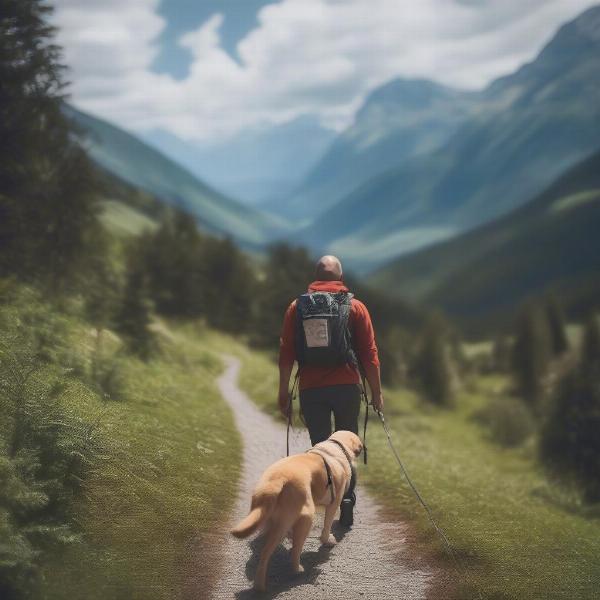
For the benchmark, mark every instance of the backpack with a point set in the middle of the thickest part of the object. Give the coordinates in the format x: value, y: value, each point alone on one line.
x: 323, y: 336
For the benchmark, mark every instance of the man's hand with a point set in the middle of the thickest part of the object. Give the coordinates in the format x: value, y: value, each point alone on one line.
x: 377, y: 402
x: 284, y: 402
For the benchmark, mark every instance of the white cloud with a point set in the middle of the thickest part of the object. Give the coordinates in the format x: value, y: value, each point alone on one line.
x: 305, y: 57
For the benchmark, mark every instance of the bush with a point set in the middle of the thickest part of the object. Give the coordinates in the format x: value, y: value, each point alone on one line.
x: 108, y: 378
x: 508, y: 421
x: 43, y: 457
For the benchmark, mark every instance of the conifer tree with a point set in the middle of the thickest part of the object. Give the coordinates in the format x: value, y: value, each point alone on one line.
x: 590, y: 348
x: 556, y: 323
x: 570, y: 442
x: 134, y: 315
x: 47, y: 184
x: 433, y: 368
x: 531, y: 354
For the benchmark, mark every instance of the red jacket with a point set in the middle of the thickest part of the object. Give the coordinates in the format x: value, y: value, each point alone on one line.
x: 363, y: 341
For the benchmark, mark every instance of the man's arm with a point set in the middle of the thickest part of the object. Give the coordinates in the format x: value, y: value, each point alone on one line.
x: 367, y: 352
x: 287, y: 356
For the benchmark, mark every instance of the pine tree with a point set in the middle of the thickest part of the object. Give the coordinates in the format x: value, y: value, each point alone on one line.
x: 590, y: 348
x: 433, y: 367
x: 47, y: 184
x: 286, y: 275
x: 570, y: 441
x: 556, y: 323
x: 134, y: 316
x: 531, y: 354
x: 173, y: 259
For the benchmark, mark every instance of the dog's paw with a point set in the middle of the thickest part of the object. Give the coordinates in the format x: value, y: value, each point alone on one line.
x: 328, y: 541
x: 260, y: 586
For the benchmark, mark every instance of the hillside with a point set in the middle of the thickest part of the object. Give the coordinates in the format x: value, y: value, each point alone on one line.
x: 550, y: 243
x: 399, y: 120
x: 136, y: 163
x: 529, y: 128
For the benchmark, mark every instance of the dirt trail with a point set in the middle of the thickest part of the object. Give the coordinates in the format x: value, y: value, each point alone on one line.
x: 370, y: 561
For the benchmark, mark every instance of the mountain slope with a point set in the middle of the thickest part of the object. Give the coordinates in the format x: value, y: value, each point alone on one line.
x: 401, y: 119
x: 136, y: 163
x: 256, y: 164
x: 528, y: 129
x: 550, y: 243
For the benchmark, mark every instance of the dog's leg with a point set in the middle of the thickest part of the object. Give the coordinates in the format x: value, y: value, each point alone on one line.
x: 327, y: 538
x: 272, y: 539
x: 300, y: 533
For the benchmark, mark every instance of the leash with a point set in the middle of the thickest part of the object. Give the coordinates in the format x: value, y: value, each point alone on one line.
x: 366, y: 399
x: 460, y: 569
x: 290, y: 411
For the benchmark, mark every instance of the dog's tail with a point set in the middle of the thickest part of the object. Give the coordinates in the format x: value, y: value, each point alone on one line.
x: 263, y: 503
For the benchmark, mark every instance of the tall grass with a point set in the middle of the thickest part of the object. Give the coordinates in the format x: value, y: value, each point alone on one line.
x: 158, y: 459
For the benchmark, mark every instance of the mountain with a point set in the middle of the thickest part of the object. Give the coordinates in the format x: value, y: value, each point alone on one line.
x: 479, y: 277
x: 136, y: 163
x: 257, y: 165
x: 400, y: 119
x: 526, y: 130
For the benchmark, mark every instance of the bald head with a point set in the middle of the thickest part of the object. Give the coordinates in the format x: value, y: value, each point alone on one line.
x: 329, y: 268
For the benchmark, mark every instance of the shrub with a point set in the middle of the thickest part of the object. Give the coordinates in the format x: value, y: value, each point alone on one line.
x: 508, y: 421
x: 43, y: 457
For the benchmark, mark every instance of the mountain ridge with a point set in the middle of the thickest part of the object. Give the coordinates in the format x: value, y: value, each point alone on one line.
x: 531, y: 126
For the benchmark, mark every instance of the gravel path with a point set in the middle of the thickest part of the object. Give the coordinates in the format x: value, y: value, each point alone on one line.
x: 370, y: 561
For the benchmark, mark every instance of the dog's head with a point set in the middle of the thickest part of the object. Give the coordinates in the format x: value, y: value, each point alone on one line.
x: 350, y: 441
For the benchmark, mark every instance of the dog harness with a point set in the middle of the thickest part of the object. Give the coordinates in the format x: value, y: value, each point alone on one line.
x: 352, y: 469
x: 328, y: 470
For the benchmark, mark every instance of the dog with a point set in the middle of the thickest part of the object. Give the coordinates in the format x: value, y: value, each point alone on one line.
x: 284, y: 499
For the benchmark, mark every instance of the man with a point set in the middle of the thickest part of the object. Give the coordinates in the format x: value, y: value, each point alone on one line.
x: 330, y: 334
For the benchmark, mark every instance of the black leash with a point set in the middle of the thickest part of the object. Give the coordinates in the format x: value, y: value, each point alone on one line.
x: 290, y: 410
x: 366, y: 399
x: 457, y: 564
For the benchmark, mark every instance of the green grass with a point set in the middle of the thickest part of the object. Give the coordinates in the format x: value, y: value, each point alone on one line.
x: 518, y: 535
x: 163, y: 472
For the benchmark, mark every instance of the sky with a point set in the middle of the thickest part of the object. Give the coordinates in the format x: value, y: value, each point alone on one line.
x: 207, y: 70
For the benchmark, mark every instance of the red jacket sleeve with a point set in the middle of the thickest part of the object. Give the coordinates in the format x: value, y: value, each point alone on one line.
x: 287, y: 341
x: 364, y: 335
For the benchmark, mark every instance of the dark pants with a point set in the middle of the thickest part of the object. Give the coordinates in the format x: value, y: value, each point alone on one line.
x: 318, y: 404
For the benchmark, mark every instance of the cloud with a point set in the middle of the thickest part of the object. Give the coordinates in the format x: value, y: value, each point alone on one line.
x: 305, y: 57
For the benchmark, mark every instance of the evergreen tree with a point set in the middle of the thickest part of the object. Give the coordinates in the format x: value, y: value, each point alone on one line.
x: 590, y: 348
x: 531, y: 354
x: 556, y: 324
x: 570, y: 440
x: 230, y: 287
x: 47, y: 184
x: 286, y: 275
x: 134, y: 316
x: 433, y: 368
x: 174, y: 260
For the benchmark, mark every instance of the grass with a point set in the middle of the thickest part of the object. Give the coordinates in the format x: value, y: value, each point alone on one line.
x: 517, y: 534
x: 163, y: 474
x: 123, y: 220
